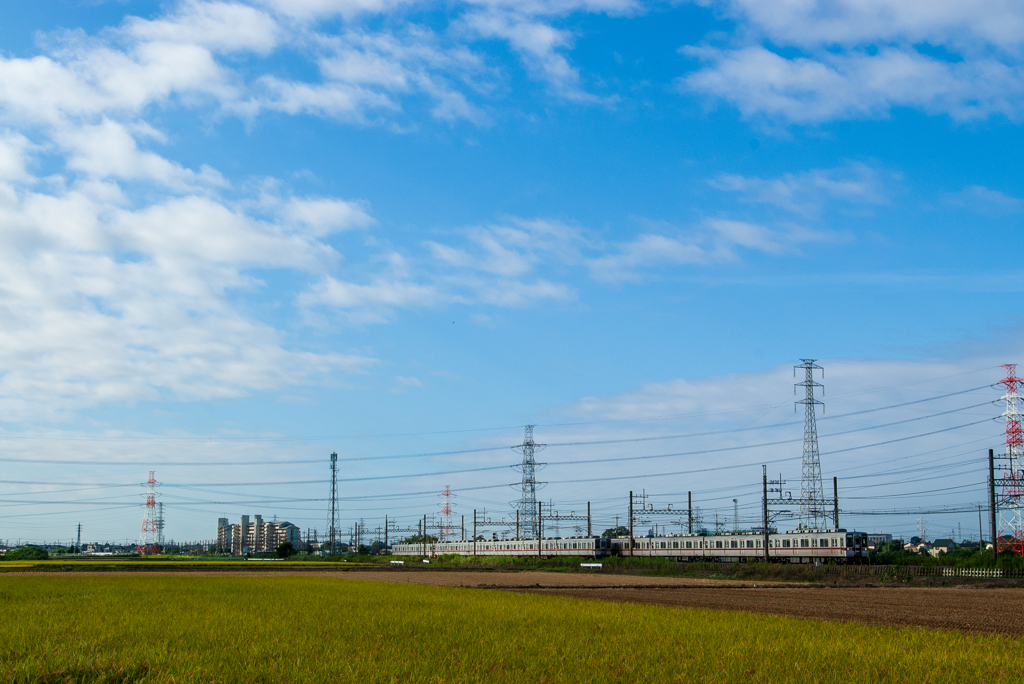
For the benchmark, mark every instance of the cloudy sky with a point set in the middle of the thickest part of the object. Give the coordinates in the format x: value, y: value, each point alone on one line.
x: 237, y: 236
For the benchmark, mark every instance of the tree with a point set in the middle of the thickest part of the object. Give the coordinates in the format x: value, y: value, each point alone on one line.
x: 286, y: 549
x: 27, y: 553
x: 613, y: 532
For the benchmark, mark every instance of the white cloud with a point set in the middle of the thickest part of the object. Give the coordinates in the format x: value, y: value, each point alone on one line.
x: 852, y: 22
x: 380, y: 293
x: 101, y: 301
x: 13, y: 148
x: 109, y: 150
x: 219, y: 26
x: 984, y: 200
x: 645, y: 252
x: 863, y: 59
x: 325, y: 215
x: 805, y: 193
x: 515, y: 293
x: 85, y: 79
x: 307, y: 10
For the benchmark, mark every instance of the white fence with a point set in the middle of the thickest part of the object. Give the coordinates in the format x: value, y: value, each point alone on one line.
x: 971, y: 572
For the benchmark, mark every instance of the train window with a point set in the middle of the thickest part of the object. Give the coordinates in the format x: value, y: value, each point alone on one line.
x: 805, y: 543
x: 733, y: 543
x: 663, y: 545
x: 675, y: 545
x: 823, y: 543
x: 750, y: 543
x: 758, y: 543
x: 718, y: 544
x: 688, y: 545
x: 785, y: 543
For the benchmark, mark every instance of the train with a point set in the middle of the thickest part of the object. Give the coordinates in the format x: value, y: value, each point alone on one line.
x: 795, y: 546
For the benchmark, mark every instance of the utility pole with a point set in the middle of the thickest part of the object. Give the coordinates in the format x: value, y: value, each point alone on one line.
x: 425, y: 536
x: 334, y: 501
x: 631, y: 523
x: 474, y: 531
x: 463, y: 527
x: 689, y: 512
x: 992, y: 501
x: 590, y: 531
x: 385, y: 534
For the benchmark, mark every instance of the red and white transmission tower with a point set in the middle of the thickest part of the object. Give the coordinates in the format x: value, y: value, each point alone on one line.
x: 446, y: 514
x: 150, y: 525
x: 1011, y: 497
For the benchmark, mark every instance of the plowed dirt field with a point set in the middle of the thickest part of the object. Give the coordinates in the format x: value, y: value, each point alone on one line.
x: 969, y: 609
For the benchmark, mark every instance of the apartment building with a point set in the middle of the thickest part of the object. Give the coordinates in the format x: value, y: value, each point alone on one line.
x: 255, y: 536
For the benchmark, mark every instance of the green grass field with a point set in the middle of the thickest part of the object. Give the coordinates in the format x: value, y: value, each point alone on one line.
x: 319, y: 629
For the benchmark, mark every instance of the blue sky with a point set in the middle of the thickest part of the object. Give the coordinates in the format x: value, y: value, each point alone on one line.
x: 249, y: 234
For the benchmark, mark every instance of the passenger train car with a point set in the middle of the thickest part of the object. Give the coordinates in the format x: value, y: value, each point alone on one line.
x: 587, y: 547
x: 797, y: 546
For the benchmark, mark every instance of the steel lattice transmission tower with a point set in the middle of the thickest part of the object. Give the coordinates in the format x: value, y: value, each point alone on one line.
x: 333, y: 526
x: 150, y: 526
x: 446, y: 514
x: 812, y: 496
x: 1013, y: 479
x: 527, y: 503
x: 160, y: 524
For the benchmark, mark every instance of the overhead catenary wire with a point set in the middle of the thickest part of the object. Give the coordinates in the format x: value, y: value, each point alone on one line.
x: 244, y: 499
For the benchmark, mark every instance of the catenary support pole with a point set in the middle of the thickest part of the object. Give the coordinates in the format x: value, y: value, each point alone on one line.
x: 992, y: 502
x: 474, y: 531
x: 540, y: 525
x: 590, y: 529
x: 835, y: 500
x: 631, y: 523
x: 981, y: 532
x: 764, y: 510
x: 517, y: 523
x: 385, y: 535
x: 425, y: 536
x: 689, y: 512
x: 463, y: 527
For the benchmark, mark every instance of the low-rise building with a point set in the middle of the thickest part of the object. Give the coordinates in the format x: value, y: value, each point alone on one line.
x: 876, y: 539
x: 257, y: 536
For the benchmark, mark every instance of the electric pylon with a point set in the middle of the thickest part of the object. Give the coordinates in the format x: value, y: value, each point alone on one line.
x: 334, y: 523
x: 160, y: 524
x: 1010, y: 502
x: 148, y: 535
x: 446, y: 514
x: 812, y: 496
x: 527, y: 503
